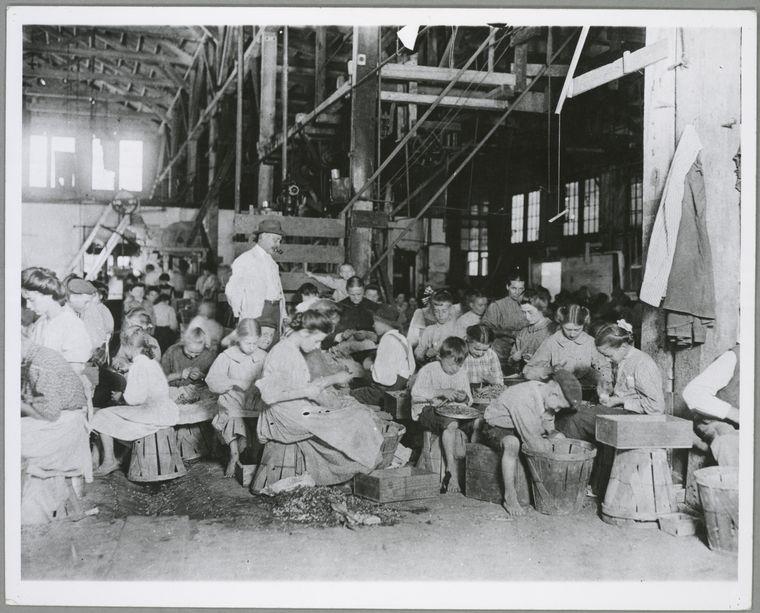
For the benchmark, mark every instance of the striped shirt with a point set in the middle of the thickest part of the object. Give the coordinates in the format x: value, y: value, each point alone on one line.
x: 486, y: 368
x: 49, y: 385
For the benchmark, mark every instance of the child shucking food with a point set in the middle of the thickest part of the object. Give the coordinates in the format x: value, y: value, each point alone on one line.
x: 187, y: 362
x: 482, y: 364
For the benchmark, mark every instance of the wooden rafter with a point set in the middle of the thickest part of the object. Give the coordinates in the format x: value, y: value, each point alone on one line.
x: 114, y: 54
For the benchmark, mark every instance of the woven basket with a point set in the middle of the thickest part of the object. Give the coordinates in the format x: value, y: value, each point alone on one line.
x: 719, y: 494
x: 392, y: 433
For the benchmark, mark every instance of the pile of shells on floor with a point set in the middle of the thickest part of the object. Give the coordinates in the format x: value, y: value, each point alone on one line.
x: 328, y: 506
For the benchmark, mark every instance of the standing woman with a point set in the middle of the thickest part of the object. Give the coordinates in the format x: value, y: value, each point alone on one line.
x: 638, y: 386
x: 570, y: 348
x: 336, y: 443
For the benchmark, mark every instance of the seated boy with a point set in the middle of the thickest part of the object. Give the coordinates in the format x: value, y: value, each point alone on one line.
x: 309, y: 295
x: 206, y: 320
x: 437, y: 383
x: 394, y: 361
x: 188, y: 362
x: 525, y: 412
x: 477, y: 303
x: 337, y: 284
x: 433, y: 335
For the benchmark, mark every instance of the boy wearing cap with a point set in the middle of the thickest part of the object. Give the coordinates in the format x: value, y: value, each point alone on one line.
x: 525, y: 412
x: 394, y: 360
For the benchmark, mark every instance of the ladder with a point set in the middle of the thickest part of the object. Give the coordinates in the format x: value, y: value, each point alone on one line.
x: 110, y: 245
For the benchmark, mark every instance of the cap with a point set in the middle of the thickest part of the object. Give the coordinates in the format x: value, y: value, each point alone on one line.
x: 266, y: 321
x: 570, y: 386
x: 80, y: 286
x: 388, y: 314
x: 270, y: 226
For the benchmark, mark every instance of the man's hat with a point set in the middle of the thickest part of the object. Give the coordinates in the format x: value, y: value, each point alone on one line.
x: 270, y: 226
x: 80, y: 286
x: 570, y: 386
x: 266, y: 321
x: 388, y: 314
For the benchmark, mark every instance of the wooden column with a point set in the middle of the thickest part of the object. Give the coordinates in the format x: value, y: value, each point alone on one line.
x: 320, y: 69
x: 239, y: 118
x: 211, y: 219
x: 363, y: 134
x: 267, y: 109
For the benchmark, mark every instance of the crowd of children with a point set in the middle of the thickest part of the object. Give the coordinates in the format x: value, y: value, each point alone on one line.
x: 356, y: 344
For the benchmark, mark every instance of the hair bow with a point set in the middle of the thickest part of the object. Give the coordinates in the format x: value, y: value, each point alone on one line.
x: 622, y: 323
x: 429, y: 291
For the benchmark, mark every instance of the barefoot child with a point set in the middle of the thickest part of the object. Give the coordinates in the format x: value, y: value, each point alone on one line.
x: 525, y: 412
x: 439, y: 382
x: 231, y: 376
x: 187, y: 362
x: 482, y: 363
x: 147, y: 394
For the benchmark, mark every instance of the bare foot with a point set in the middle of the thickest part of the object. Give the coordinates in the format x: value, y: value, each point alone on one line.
x: 513, y: 508
x: 230, y: 471
x: 453, y: 485
x: 106, y: 469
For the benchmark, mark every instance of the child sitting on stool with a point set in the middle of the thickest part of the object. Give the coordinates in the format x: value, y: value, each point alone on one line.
x: 482, y: 364
x: 187, y: 362
x: 525, y: 412
x: 445, y: 380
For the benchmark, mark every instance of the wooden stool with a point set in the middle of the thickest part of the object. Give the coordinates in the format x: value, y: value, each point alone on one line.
x: 278, y: 461
x: 156, y: 457
x: 431, y: 457
x: 483, y: 480
x: 193, y: 443
x: 640, y: 487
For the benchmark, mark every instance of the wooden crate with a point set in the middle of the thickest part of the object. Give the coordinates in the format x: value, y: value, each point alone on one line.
x: 483, y: 476
x: 644, y: 431
x: 398, y: 404
x: 244, y: 473
x: 396, y: 484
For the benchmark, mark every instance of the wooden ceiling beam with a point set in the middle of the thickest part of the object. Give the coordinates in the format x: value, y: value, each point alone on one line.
x: 95, y: 94
x: 89, y: 75
x: 114, y: 54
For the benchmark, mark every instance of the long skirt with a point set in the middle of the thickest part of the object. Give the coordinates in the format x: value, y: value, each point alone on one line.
x: 58, y: 448
x: 129, y: 423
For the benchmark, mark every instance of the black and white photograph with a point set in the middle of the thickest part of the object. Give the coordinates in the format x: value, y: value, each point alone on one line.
x: 379, y: 307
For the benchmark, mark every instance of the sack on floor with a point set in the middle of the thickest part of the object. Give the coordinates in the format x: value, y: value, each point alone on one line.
x: 288, y: 484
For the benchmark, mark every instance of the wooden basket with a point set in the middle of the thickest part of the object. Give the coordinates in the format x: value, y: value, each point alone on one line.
x: 392, y: 433
x: 560, y: 475
x: 679, y: 524
x: 156, y: 457
x: 719, y: 494
x: 278, y: 461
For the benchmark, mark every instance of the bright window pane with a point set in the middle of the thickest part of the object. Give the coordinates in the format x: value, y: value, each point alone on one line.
x: 518, y: 203
x: 484, y: 265
x: 131, y: 165
x: 62, y: 174
x: 472, y: 263
x: 101, y: 178
x: 38, y: 157
x: 591, y: 206
x: 534, y: 215
x: 570, y: 226
x: 636, y: 214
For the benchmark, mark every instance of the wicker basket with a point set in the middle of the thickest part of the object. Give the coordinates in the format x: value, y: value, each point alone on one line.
x: 392, y: 433
x: 719, y: 494
x: 560, y: 475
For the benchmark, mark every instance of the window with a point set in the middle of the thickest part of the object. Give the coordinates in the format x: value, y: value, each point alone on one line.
x: 570, y: 226
x: 474, y: 239
x: 636, y: 211
x: 591, y: 206
x: 518, y: 206
x: 131, y: 165
x: 534, y: 216
x: 52, y: 161
x: 38, y: 159
x: 102, y: 178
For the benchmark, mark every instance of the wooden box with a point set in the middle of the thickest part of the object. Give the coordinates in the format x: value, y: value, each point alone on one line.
x: 398, y: 404
x: 396, y: 484
x: 483, y: 479
x: 644, y: 431
x: 244, y: 473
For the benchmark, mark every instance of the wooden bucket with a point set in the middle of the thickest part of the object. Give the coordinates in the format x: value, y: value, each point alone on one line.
x: 560, y: 475
x: 640, y: 486
x: 278, y: 461
x: 156, y: 457
x: 193, y: 443
x: 392, y: 433
x: 719, y: 493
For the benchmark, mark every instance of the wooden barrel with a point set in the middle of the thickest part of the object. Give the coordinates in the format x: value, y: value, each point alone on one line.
x: 719, y: 494
x: 193, y: 443
x: 483, y: 479
x: 156, y: 457
x: 278, y: 461
x: 640, y: 486
x: 560, y: 475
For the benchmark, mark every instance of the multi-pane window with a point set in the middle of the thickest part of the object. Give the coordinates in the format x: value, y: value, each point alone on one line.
x: 591, y: 206
x: 474, y: 240
x: 102, y: 177
x: 570, y: 225
x: 126, y: 157
x: 52, y: 161
x: 636, y: 210
x: 534, y: 216
x: 518, y: 214
x: 131, y: 165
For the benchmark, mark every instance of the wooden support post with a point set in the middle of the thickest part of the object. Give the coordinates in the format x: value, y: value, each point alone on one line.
x: 363, y: 134
x: 211, y: 219
x: 521, y: 65
x: 320, y: 68
x: 239, y: 119
x: 284, y: 99
x: 267, y: 108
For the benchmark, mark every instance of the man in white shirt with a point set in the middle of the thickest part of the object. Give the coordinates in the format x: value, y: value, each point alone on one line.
x: 713, y: 395
x: 254, y: 289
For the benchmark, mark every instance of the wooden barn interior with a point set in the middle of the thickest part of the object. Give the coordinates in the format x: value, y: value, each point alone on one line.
x: 447, y: 162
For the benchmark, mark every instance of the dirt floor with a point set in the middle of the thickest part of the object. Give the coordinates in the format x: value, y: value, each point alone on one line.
x: 205, y: 527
